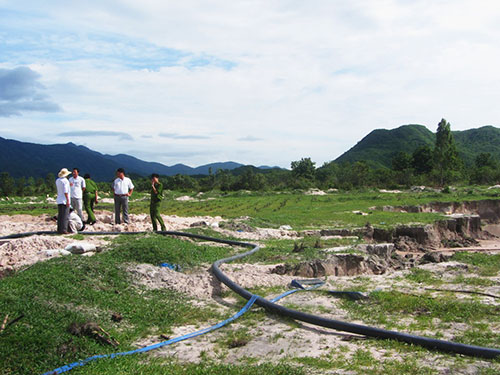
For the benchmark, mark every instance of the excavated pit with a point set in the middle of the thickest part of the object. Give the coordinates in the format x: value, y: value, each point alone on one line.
x: 404, y: 247
x: 373, y: 259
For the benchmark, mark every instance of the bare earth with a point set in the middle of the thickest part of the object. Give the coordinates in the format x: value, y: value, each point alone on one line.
x: 16, y: 253
x: 271, y: 338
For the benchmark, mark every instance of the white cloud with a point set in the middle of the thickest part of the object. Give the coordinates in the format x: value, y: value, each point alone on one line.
x: 309, y: 78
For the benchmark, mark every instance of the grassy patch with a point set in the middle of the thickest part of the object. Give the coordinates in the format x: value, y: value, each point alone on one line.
x: 61, y: 291
x: 486, y: 264
x: 387, y: 308
x: 295, y: 251
x: 235, y: 338
x: 155, y: 249
x: 480, y: 334
x: 154, y: 366
x: 473, y: 281
x: 421, y: 276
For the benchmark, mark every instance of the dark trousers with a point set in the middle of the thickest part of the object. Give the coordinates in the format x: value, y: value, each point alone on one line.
x: 62, y: 218
x: 121, y: 204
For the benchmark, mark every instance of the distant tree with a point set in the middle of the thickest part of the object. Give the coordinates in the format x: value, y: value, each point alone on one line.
x: 446, y: 159
x: 485, y: 159
x: 249, y: 180
x: 421, y: 160
x: 485, y: 171
x: 327, y: 174
x: 304, y: 168
x: 39, y: 186
x: 21, y: 187
x: 223, y: 179
x: 50, y: 183
x: 7, y: 184
x: 31, y: 186
x: 401, y: 162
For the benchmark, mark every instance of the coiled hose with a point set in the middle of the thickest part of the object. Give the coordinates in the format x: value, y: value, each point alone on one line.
x: 378, y: 333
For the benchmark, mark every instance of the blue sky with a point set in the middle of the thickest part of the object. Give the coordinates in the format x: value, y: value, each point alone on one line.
x: 256, y: 82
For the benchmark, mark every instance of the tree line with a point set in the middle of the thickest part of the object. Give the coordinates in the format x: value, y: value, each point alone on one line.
x: 432, y: 166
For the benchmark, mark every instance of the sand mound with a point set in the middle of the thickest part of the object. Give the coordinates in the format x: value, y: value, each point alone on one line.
x: 202, y: 283
x: 20, y: 252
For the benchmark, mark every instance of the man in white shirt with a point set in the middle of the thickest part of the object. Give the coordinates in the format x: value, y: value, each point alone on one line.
x: 63, y: 201
x: 77, y: 184
x: 123, y: 188
x: 75, y: 223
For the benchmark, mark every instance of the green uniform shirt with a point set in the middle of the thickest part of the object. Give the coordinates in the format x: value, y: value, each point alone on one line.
x: 158, y: 196
x: 90, y: 186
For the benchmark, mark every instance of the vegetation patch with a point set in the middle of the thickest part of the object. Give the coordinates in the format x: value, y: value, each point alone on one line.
x: 53, y: 295
x: 486, y: 264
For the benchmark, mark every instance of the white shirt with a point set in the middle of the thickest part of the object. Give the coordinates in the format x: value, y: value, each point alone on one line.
x: 75, y: 219
x: 122, y: 186
x: 76, y: 186
x: 62, y: 185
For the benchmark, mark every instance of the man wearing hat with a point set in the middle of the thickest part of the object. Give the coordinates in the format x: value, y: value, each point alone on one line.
x: 63, y: 201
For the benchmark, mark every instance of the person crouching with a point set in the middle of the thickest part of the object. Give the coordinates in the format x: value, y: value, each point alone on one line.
x: 75, y: 222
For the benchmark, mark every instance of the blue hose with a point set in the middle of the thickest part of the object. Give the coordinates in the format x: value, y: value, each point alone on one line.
x: 148, y: 348
x: 71, y: 366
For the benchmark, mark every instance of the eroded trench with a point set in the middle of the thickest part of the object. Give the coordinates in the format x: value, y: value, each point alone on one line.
x: 466, y: 227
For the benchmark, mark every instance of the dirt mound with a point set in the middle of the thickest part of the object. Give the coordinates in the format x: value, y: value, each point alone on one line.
x: 202, y: 283
x: 20, y: 252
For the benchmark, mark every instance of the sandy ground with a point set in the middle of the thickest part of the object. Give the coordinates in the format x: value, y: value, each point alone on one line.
x: 272, y: 339
x: 202, y: 283
x: 16, y: 253
x: 269, y: 339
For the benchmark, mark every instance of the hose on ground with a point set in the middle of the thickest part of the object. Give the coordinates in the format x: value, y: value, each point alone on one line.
x: 378, y: 333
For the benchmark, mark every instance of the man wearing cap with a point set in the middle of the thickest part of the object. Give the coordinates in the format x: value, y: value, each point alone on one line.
x: 156, y: 198
x: 77, y: 184
x: 90, y: 198
x: 63, y: 201
x: 123, y: 188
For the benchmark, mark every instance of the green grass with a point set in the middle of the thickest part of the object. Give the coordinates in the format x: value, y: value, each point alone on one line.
x: 292, y: 208
x: 473, y: 281
x: 56, y: 293
x: 421, y: 276
x: 156, y: 249
x: 387, y: 308
x: 155, y: 366
x: 294, y: 251
x: 486, y: 264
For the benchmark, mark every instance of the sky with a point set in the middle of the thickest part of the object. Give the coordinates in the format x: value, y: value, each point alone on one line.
x: 257, y: 82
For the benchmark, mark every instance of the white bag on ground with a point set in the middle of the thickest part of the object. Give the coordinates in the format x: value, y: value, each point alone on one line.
x: 80, y: 247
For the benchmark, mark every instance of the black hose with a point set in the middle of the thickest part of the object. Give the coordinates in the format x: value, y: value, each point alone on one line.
x: 448, y: 346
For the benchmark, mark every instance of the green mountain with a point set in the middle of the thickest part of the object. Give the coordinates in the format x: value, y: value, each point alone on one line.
x: 381, y: 145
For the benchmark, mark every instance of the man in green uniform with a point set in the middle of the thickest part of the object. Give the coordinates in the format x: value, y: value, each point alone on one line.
x: 90, y: 198
x: 156, y: 198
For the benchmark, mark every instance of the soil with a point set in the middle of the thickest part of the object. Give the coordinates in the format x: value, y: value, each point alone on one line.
x: 273, y: 338
x: 17, y: 253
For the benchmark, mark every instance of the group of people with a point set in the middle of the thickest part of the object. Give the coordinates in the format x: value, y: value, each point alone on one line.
x: 75, y: 192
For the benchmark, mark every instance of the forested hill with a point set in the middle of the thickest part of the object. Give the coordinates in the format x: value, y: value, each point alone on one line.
x: 23, y: 159
x: 381, y: 145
